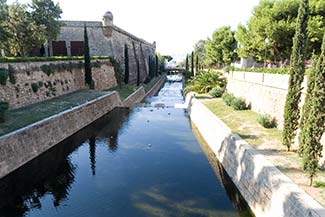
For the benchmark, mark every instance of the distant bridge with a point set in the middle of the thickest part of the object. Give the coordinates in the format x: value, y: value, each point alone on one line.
x: 175, y: 71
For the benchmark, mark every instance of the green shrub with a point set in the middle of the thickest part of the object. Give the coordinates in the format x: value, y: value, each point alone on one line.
x: 35, y: 87
x: 4, y: 74
x: 47, y: 59
x: 228, y: 98
x: 3, y: 109
x: 217, y: 91
x: 204, y: 81
x: 239, y: 104
x: 266, y: 121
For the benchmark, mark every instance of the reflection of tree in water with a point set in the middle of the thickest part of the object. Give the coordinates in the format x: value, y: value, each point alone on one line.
x: 92, y: 154
x: 115, y: 122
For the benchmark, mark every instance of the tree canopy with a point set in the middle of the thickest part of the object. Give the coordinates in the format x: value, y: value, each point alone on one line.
x: 199, y: 50
x: 3, y: 23
x: 270, y: 30
x: 220, y: 49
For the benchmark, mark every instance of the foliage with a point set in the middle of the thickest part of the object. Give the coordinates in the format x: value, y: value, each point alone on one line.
x: 4, y: 15
x: 314, y: 126
x: 307, y: 105
x: 192, y: 63
x: 228, y: 98
x: 266, y: 121
x: 200, y: 51
x: 197, y: 64
x: 88, y: 74
x: 47, y: 59
x: 276, y: 20
x: 47, y: 13
x: 157, y: 65
x: 52, y: 68
x: 239, y: 104
x: 297, y: 71
x: 204, y: 81
x: 220, y: 50
x: 126, y: 64
x: 25, y: 34
x: 4, y: 106
x: 4, y: 74
x: 11, y: 73
x: 35, y: 87
x: 137, y: 63
x: 217, y: 91
x: 186, y: 63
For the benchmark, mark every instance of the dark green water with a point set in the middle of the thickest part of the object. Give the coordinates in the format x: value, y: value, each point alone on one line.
x: 144, y: 162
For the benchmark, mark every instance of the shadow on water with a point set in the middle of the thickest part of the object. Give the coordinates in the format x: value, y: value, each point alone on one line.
x: 52, y: 172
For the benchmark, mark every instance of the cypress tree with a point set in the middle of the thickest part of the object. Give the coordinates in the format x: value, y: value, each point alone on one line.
x: 137, y: 63
x: 87, y: 59
x: 186, y: 63
x: 314, y: 126
x: 192, y: 63
x: 197, y: 64
x: 297, y: 71
x: 307, y: 105
x: 126, y: 62
x: 157, y: 65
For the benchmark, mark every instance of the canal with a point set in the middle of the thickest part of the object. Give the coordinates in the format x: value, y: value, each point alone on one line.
x: 143, y: 162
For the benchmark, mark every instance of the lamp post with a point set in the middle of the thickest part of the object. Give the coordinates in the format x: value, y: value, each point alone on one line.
x: 266, y: 42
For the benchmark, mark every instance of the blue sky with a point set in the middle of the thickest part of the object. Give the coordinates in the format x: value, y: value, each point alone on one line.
x: 174, y: 24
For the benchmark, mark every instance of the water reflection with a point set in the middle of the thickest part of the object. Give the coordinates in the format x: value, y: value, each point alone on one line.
x: 52, y: 173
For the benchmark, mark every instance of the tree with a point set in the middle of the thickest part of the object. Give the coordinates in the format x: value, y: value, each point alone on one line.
x: 88, y: 74
x: 314, y: 126
x: 275, y: 21
x: 220, y: 50
x: 25, y: 34
x: 126, y: 64
x: 137, y: 63
x: 200, y: 51
x: 307, y: 105
x: 192, y: 63
x: 157, y: 65
x: 186, y: 63
x: 197, y: 66
x: 47, y: 13
x: 297, y: 71
x: 4, y: 16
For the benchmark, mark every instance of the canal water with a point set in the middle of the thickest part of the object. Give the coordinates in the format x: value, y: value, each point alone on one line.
x: 141, y: 163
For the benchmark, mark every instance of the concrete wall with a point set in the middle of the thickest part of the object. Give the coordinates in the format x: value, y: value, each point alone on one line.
x: 19, y: 147
x: 267, y: 191
x: 61, y: 82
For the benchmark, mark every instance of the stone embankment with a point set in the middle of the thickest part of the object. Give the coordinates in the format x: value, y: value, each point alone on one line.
x: 267, y: 191
x: 21, y: 146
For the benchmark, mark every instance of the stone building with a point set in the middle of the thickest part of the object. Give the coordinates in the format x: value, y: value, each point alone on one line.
x: 105, y: 39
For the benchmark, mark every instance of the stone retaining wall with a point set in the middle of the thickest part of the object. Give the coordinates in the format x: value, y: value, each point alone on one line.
x: 267, y: 191
x: 265, y: 92
x: 19, y: 147
x: 69, y: 78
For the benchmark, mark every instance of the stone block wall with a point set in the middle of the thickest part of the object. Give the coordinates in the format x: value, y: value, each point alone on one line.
x: 266, y: 93
x: 110, y: 41
x: 29, y: 74
x: 267, y: 191
x: 21, y: 146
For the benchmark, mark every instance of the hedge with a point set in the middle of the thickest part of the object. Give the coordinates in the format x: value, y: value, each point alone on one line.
x: 262, y: 70
x: 45, y: 59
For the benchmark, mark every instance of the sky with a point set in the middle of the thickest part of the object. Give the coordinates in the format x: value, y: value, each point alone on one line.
x: 175, y: 25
